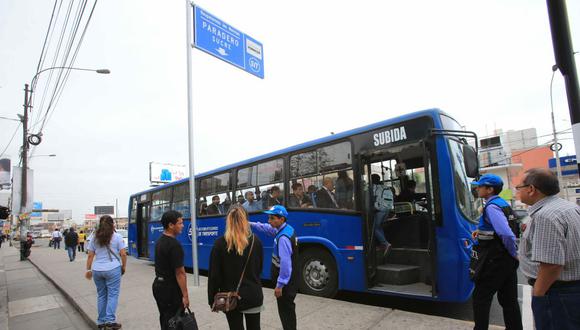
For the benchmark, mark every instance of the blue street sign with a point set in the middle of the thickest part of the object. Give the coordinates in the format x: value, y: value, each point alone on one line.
x: 36, y: 206
x: 221, y: 40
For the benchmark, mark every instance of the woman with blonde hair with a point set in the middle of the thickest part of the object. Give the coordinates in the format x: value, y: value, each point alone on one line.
x: 236, y: 260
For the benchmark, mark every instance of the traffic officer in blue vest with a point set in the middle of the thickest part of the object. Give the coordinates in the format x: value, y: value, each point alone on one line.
x: 497, y: 256
x: 284, y: 269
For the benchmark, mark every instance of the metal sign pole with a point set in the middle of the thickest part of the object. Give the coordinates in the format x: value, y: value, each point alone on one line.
x: 192, y: 203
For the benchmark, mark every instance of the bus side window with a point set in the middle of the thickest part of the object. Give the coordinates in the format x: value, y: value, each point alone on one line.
x: 216, y: 199
x: 317, y: 172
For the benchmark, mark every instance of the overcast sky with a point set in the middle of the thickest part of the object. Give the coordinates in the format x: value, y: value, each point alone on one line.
x: 329, y: 66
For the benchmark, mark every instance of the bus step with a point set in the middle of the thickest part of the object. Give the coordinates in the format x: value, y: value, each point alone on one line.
x: 398, y: 274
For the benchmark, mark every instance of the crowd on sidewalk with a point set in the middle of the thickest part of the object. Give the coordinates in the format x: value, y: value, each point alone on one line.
x: 548, y: 255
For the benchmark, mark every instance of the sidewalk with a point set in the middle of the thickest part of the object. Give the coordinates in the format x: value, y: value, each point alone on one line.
x: 137, y: 309
x: 29, y: 301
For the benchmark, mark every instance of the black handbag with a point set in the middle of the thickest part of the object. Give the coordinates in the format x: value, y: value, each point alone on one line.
x: 183, y: 320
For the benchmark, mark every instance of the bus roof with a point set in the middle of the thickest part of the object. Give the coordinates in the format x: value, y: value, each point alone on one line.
x: 429, y: 113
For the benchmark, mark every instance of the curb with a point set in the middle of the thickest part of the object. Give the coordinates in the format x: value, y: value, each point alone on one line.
x: 91, y: 322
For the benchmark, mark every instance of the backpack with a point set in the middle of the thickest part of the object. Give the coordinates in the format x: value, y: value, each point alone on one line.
x: 510, y: 215
x: 382, y: 198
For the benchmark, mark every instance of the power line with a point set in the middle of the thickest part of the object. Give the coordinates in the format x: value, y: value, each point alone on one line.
x: 57, y: 53
x: 50, y: 38
x: 40, y: 59
x: 67, y: 74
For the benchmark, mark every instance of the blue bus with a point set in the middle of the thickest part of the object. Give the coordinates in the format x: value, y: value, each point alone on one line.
x: 423, y: 157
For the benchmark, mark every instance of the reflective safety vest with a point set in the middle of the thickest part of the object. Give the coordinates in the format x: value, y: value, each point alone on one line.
x: 487, y: 238
x: 289, y: 232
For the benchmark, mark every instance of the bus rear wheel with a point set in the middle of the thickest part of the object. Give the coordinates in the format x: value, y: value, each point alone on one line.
x: 318, y: 273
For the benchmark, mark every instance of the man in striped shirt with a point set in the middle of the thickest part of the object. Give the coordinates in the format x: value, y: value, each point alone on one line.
x: 550, y: 252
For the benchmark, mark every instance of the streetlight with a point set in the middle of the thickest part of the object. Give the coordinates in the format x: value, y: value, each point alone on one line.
x: 34, y: 139
x: 51, y: 155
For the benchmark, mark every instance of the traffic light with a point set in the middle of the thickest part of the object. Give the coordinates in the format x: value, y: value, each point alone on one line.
x: 4, y: 213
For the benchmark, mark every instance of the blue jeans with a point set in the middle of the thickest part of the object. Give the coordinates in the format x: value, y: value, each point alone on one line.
x: 379, y: 232
x: 56, y: 244
x: 108, y: 287
x: 72, y: 252
x: 559, y: 309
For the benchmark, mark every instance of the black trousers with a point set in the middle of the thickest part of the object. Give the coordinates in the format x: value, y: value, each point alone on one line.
x: 169, y: 300
x: 236, y: 320
x: 81, y: 247
x: 287, y: 310
x: 499, y: 275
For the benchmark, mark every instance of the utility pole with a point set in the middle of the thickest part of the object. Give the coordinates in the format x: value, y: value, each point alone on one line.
x: 24, y: 170
x: 564, y: 54
x: 556, y: 147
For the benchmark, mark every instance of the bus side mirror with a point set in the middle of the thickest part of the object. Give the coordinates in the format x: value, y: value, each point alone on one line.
x: 471, y: 161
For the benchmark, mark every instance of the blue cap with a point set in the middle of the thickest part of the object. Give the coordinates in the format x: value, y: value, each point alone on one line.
x: 278, y: 210
x: 490, y: 180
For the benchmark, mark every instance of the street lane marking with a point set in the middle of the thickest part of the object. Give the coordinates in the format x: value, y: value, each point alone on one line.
x: 32, y: 305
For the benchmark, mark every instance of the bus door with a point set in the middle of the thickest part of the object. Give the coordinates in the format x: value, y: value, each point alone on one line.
x: 408, y: 266
x: 143, y: 229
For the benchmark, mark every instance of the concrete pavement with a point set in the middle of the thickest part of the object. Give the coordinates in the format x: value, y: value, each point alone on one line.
x: 137, y: 309
x: 29, y: 301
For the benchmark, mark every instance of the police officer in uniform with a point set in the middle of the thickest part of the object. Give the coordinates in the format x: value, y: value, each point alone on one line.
x: 497, y: 252
x: 170, y: 284
x: 284, y: 267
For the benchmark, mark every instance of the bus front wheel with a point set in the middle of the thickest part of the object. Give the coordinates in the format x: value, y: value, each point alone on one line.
x: 319, y: 276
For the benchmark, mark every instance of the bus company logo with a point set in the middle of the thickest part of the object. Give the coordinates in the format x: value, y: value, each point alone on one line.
x: 254, y: 64
x: 156, y: 228
x: 390, y: 136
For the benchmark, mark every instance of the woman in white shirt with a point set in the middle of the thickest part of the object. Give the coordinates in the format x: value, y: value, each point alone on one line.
x: 106, y: 263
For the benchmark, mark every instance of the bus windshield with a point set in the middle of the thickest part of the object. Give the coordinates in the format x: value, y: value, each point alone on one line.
x: 466, y: 201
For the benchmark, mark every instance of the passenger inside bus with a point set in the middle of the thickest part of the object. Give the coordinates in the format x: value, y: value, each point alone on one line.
x: 344, y: 191
x: 251, y: 205
x: 298, y: 198
x: 273, y: 198
x: 215, y: 207
x: 408, y: 193
x: 325, y: 197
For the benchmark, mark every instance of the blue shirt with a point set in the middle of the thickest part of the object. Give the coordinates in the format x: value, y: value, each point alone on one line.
x: 254, y: 207
x: 105, y: 260
x: 499, y: 222
x: 284, y: 251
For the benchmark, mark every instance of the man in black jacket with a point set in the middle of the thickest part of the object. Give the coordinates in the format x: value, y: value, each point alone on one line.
x: 325, y: 197
x: 71, y: 240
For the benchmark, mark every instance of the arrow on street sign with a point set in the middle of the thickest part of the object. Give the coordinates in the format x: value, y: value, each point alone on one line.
x: 221, y: 40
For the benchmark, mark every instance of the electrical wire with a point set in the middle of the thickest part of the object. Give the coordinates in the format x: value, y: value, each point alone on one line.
x: 34, y: 83
x: 75, y: 54
x: 11, y: 139
x: 57, y: 53
x: 68, y: 47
